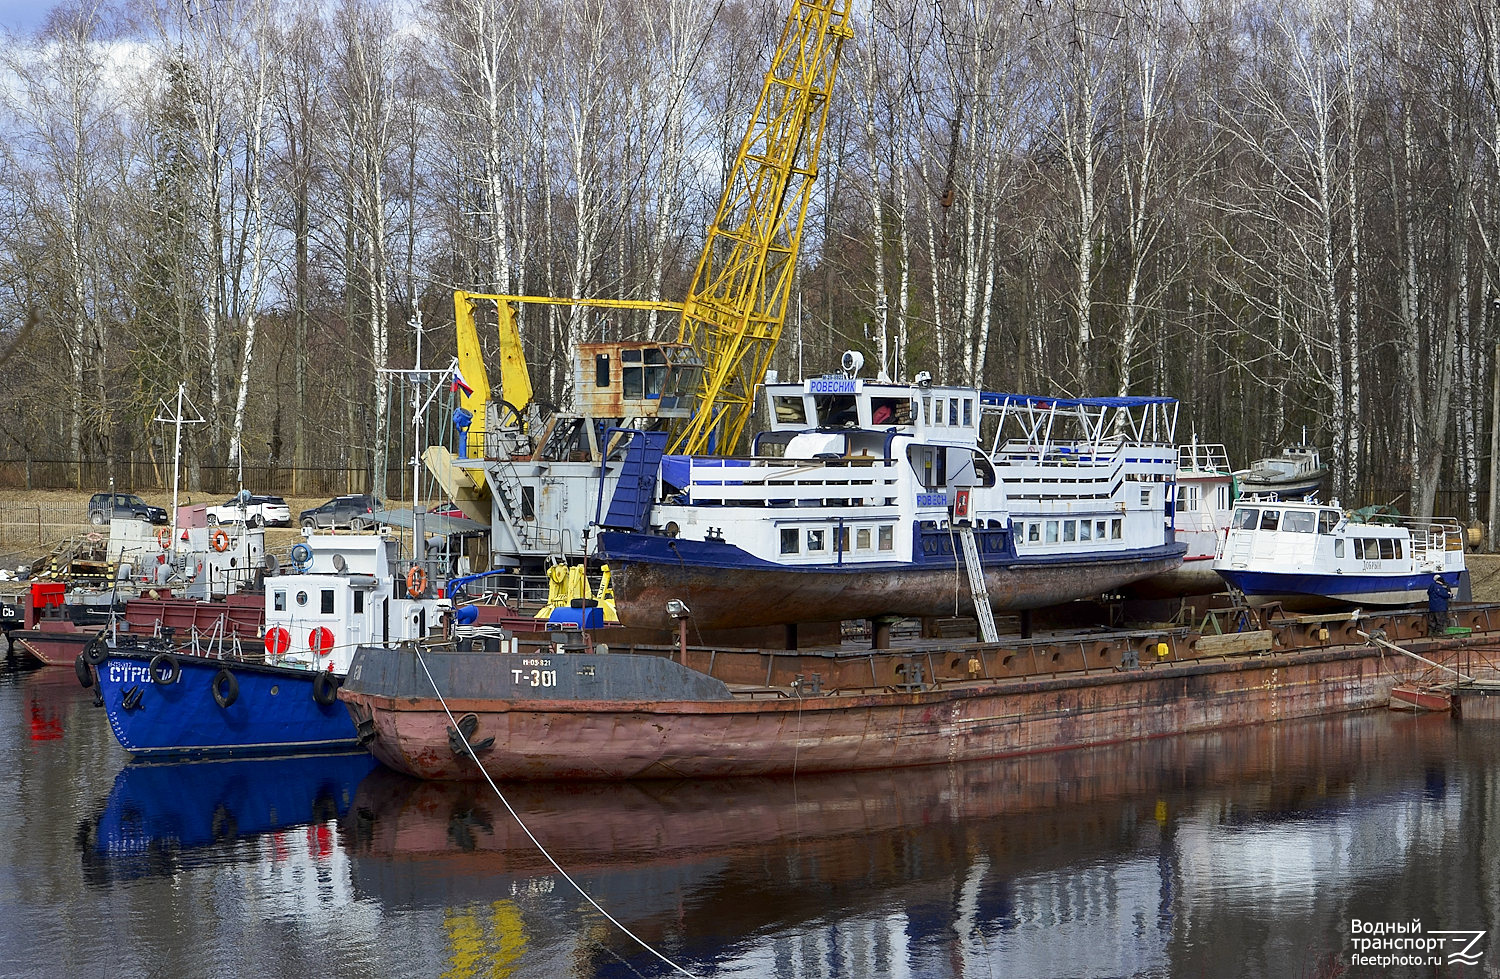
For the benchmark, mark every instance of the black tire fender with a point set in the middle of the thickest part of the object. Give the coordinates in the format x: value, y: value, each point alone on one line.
x: 326, y: 687
x: 165, y: 669
x: 225, y: 687
x: 85, y: 672
x: 95, y: 651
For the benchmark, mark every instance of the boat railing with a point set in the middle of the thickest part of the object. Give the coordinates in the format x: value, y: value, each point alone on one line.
x: 1203, y: 457
x: 513, y: 589
x: 769, y: 483
x: 1432, y: 536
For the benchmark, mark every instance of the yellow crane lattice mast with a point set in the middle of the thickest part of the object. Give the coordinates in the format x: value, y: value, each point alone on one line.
x: 735, y: 309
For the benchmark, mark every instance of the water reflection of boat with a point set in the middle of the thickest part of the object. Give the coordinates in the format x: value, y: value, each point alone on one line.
x: 1024, y: 849
x: 160, y: 818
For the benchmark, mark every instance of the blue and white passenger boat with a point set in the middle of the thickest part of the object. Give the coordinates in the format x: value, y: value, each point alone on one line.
x: 345, y: 589
x: 873, y: 498
x: 1306, y: 554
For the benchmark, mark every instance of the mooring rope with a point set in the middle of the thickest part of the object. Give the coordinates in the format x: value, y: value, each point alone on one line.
x: 531, y: 836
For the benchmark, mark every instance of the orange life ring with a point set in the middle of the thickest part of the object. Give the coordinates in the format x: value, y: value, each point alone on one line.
x: 221, y: 540
x: 164, y: 538
x: 416, y: 581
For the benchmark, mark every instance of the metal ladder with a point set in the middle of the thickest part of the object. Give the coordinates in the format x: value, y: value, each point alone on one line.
x: 982, y: 610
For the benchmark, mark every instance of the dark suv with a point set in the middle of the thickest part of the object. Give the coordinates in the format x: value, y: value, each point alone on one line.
x: 355, y: 512
x: 104, y: 507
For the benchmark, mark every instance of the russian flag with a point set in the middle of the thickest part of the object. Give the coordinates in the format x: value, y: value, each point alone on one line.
x: 458, y: 382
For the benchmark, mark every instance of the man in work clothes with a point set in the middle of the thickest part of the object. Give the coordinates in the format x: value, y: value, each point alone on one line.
x: 1437, y: 606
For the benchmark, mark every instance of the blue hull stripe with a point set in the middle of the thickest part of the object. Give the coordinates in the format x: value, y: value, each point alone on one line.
x: 1401, y: 589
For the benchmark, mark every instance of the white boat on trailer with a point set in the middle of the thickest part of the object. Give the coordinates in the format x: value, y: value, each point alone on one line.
x: 1306, y: 554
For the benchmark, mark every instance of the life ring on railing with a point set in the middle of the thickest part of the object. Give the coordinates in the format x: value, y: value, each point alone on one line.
x: 221, y: 540
x: 416, y: 581
x: 164, y: 538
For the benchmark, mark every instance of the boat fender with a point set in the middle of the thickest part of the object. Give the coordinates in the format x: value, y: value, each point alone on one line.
x: 84, y: 672
x: 165, y: 669
x: 326, y: 687
x: 225, y: 687
x: 221, y: 540
x: 416, y: 581
x: 301, y: 555
x: 96, y: 651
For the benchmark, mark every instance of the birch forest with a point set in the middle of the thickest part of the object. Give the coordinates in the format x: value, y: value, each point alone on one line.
x: 1283, y: 213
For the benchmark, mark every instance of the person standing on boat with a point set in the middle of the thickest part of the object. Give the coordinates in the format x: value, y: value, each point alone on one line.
x: 1437, y: 605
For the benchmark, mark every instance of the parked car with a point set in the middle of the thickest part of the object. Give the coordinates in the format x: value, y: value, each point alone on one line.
x: 255, y: 509
x: 447, y: 508
x: 104, y: 507
x: 355, y: 512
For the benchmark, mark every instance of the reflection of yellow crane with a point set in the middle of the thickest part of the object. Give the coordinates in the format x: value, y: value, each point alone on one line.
x: 735, y: 309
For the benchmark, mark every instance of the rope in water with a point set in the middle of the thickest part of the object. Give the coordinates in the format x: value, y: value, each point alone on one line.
x: 527, y: 829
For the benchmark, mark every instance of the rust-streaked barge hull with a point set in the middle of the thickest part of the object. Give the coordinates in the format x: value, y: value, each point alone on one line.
x: 621, y: 716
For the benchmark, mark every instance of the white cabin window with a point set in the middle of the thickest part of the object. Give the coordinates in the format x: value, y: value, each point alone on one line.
x: 1146, y: 496
x: 1116, y: 529
x: 1070, y: 530
x: 1085, y: 529
x: 953, y: 411
x: 968, y: 411
x: 327, y: 604
x: 1246, y: 518
x: 1221, y: 498
x: 302, y: 598
x: 1270, y: 519
x: 862, y: 539
x: 790, y: 409
x: 1397, y: 542
x: 278, y: 601
x: 1034, y: 533
x: 841, y: 540
x: 1052, y: 531
x: 1327, y: 520
x: 1338, y: 548
x: 1387, y: 549
x: 359, y: 602
x: 887, y: 538
x: 789, y: 538
x: 815, y: 539
x: 1099, y: 526
x: 1187, y: 497
x: 1299, y: 522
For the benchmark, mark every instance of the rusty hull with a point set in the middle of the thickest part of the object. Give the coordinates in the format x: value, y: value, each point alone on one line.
x: 722, y: 598
x: 955, y: 722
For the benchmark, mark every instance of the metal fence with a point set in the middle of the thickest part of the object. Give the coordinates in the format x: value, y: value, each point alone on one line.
x: 138, y: 476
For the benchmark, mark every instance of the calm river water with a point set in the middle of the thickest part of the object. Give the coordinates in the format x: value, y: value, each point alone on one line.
x: 1246, y: 853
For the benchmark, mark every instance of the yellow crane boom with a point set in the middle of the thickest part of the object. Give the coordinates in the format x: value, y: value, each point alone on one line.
x: 737, y: 304
x: 735, y: 309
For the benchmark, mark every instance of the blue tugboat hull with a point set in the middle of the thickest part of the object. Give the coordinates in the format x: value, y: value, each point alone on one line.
x: 273, y: 710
